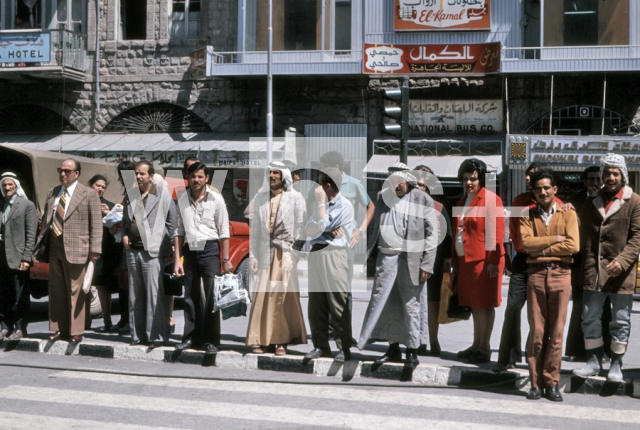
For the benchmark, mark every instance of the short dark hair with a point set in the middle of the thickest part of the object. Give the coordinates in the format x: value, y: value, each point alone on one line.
x: 76, y: 163
x: 590, y: 169
x: 147, y: 163
x: 538, y: 165
x: 125, y: 165
x: 97, y: 178
x: 198, y: 165
x: 332, y: 159
x: 471, y: 165
x: 186, y: 162
x: 331, y: 176
x: 540, y: 175
x: 424, y: 168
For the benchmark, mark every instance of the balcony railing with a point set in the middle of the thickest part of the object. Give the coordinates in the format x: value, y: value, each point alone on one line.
x: 571, y: 52
x: 67, y: 50
x: 260, y: 57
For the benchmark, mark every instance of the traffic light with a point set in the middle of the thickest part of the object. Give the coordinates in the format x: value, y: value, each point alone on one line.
x: 399, y: 112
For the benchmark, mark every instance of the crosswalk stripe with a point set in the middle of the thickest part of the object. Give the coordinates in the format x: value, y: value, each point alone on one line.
x: 12, y: 421
x: 415, y: 398
x: 213, y: 408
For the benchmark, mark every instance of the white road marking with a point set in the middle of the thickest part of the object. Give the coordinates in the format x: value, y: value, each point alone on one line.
x: 11, y: 421
x: 415, y: 398
x: 213, y: 408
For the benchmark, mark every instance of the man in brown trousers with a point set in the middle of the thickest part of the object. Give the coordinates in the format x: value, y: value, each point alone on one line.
x: 550, y: 235
x: 73, y: 216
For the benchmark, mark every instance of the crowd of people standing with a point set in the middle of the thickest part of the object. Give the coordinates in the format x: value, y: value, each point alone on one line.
x: 587, y: 249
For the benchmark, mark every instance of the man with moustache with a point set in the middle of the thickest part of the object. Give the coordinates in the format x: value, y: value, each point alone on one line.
x: 550, y: 235
x: 18, y: 231
x: 72, y: 224
x: 147, y: 221
x: 611, y: 222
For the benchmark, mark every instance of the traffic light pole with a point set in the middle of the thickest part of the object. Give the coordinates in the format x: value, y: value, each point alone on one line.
x: 404, y: 137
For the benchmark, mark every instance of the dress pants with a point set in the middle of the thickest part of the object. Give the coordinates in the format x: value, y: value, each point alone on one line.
x: 328, y: 295
x: 66, y: 296
x: 147, y: 315
x: 548, y: 294
x: 14, y: 296
x: 510, y: 350
x: 201, y: 324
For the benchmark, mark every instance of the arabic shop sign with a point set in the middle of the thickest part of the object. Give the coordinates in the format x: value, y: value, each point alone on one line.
x: 579, y: 151
x: 438, y: 15
x: 25, y: 47
x: 428, y: 117
x: 432, y: 59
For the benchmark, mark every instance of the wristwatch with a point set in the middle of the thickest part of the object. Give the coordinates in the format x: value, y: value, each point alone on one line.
x: 225, y: 260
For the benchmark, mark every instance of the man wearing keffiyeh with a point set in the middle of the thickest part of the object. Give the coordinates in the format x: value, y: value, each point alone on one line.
x: 18, y: 230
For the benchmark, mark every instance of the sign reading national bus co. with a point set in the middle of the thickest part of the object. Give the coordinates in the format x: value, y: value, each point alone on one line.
x: 25, y: 47
x: 439, y: 15
x: 479, y: 58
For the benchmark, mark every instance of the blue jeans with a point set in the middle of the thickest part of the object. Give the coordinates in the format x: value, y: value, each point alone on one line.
x: 620, y: 324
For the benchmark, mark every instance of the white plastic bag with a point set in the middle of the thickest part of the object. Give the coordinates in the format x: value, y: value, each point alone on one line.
x: 113, y: 217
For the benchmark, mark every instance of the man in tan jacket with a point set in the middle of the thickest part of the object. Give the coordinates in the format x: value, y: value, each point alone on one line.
x: 550, y: 235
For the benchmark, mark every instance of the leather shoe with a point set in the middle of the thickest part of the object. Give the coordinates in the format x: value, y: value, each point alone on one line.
x: 156, y: 344
x: 553, y: 394
x: 280, y: 350
x: 479, y: 357
x: 316, y: 353
x: 75, y: 339
x: 55, y: 337
x: 534, y: 394
x: 136, y: 342
x: 16, y: 335
x: 210, y: 349
x: 412, y: 359
x: 466, y: 353
x: 435, y: 350
x: 3, y: 334
x: 184, y: 345
x: 343, y: 355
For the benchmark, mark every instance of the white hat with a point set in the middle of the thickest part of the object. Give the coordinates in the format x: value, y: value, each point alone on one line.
x: 14, y: 178
x: 616, y: 161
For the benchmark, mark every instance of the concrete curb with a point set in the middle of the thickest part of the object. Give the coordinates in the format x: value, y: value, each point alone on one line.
x: 424, y: 374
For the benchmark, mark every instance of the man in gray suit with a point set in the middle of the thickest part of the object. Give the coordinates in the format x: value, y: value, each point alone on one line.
x: 147, y: 221
x: 405, y: 230
x: 18, y: 230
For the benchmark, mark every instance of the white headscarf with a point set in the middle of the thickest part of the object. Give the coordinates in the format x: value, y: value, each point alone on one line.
x: 286, y: 176
x: 14, y: 178
x: 401, y: 171
x: 616, y: 161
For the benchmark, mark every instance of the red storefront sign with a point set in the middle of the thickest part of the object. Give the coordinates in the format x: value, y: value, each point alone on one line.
x: 432, y: 59
x: 439, y: 15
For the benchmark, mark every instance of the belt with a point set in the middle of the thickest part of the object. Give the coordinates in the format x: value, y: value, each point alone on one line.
x: 552, y: 265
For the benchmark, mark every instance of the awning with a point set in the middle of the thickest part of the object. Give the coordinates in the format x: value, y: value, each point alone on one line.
x: 445, y: 166
x: 168, y: 150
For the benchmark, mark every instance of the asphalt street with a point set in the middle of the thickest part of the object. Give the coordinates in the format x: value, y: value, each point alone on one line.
x: 82, y: 392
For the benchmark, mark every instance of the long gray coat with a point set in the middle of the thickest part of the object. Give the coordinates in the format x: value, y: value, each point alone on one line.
x: 20, y: 232
x: 394, y: 315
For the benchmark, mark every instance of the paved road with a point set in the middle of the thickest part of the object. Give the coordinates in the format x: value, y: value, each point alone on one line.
x: 175, y: 396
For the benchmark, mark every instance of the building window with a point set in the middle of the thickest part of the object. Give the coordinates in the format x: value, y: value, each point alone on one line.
x: 185, y: 18
x: 157, y: 118
x: 298, y: 25
x: 585, y: 22
x: 52, y: 14
x: 133, y: 19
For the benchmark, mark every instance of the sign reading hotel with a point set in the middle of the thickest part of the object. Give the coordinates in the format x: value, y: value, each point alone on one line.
x: 25, y: 47
x: 481, y: 58
x: 569, y: 150
x: 455, y: 117
x: 439, y: 15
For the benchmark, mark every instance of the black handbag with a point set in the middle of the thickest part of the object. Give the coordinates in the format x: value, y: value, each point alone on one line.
x: 456, y: 311
x: 172, y: 284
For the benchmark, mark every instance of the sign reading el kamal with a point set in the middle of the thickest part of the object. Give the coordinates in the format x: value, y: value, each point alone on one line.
x: 21, y: 47
x: 478, y: 58
x: 429, y: 15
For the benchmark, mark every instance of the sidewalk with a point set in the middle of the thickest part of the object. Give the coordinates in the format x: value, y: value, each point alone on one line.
x: 445, y: 370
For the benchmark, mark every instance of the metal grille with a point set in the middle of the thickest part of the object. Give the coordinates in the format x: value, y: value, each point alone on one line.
x: 33, y: 119
x: 580, y: 119
x: 157, y: 118
x: 428, y: 148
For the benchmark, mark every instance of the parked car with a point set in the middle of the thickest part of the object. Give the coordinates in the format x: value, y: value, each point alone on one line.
x: 36, y: 170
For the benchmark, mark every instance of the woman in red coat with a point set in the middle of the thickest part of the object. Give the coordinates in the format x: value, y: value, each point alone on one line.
x: 478, y: 255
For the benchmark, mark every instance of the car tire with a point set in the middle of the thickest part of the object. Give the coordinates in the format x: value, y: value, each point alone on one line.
x: 244, y: 269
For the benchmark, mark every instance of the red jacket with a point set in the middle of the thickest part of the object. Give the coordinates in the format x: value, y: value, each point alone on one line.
x: 473, y: 229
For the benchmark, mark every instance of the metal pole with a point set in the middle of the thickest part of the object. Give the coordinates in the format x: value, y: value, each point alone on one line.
x: 270, y: 86
x: 541, y: 24
x: 604, y: 104
x: 551, y: 111
x: 506, y: 93
x: 404, y: 127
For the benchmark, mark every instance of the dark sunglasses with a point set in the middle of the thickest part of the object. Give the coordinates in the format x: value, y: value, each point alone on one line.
x: 66, y: 171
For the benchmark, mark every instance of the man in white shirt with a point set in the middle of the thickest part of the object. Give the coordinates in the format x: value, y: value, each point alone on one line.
x: 204, y: 220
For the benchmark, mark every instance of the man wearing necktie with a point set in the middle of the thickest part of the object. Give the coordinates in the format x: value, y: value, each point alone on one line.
x: 73, y: 215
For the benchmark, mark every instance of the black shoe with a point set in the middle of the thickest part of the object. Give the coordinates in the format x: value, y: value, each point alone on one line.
x: 422, y: 350
x: 412, y: 359
x: 393, y: 355
x: 503, y: 367
x: 136, y: 342
x: 534, y: 394
x: 553, y: 394
x: 342, y: 356
x: 479, y: 357
x: 466, y: 353
x: 156, y: 344
x: 435, y: 350
x: 184, y: 345
x: 210, y: 349
x: 316, y: 353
